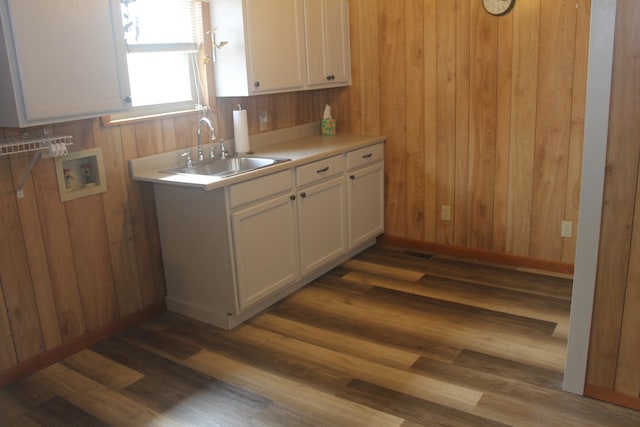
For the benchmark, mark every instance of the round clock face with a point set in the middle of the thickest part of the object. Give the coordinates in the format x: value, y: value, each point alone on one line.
x: 497, y: 7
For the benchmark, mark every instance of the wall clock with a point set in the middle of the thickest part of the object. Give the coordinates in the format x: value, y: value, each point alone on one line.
x: 498, y: 7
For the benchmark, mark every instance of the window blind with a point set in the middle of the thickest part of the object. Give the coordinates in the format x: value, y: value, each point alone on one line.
x: 162, y: 25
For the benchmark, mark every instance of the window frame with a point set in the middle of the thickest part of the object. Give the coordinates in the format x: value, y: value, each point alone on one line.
x: 198, y: 80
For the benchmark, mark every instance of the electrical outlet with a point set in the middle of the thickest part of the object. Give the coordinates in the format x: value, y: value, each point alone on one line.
x: 567, y: 229
x: 445, y: 213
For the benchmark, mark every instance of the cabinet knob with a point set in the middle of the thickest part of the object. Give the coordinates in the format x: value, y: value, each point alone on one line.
x: 292, y: 197
x: 303, y: 194
x: 127, y: 100
x: 257, y: 84
x: 352, y: 177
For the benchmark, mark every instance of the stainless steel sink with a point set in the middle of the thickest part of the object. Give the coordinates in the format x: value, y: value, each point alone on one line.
x: 226, y: 167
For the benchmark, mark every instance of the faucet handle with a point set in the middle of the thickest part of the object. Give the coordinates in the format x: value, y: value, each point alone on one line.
x: 212, y: 152
x: 189, y: 160
x: 223, y: 152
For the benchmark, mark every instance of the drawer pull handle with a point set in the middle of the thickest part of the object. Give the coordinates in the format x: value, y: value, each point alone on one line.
x: 322, y: 170
x: 366, y: 156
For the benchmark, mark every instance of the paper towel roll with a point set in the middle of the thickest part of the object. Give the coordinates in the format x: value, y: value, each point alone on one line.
x: 241, y: 131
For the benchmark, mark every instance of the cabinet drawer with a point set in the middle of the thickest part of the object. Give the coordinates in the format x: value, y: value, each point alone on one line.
x: 366, y: 155
x: 319, y: 170
x: 259, y: 188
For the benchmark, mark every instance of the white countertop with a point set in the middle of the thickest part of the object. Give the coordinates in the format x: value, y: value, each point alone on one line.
x: 302, y: 144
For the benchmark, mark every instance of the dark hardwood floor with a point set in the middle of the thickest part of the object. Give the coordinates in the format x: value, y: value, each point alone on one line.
x: 388, y: 339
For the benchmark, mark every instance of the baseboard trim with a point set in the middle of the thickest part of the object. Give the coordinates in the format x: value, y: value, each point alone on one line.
x: 477, y: 254
x: 601, y: 393
x: 75, y: 345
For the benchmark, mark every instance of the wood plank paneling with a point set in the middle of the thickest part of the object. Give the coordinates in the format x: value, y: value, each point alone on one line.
x: 482, y: 127
x: 117, y: 216
x: 393, y: 101
x: 463, y: 103
x: 55, y: 231
x: 372, y: 109
x: 553, y: 126
x: 430, y: 121
x: 8, y: 356
x: 415, y: 88
x: 446, y: 116
x: 503, y: 132
x: 628, y: 369
x: 526, y: 25
x: 36, y: 254
x: 572, y: 203
x: 19, y: 298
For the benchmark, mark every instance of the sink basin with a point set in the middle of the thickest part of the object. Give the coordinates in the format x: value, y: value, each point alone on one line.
x: 226, y: 167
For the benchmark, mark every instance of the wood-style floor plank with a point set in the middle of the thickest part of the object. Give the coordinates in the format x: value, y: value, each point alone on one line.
x: 364, y: 349
x: 533, y: 283
x: 102, y: 370
x: 390, y: 338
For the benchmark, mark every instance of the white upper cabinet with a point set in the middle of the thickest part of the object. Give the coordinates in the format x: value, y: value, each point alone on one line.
x: 279, y: 45
x: 61, y: 60
x: 327, y: 42
x: 264, y: 52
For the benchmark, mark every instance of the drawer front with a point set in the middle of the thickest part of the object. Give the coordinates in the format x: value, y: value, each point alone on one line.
x: 319, y: 170
x: 364, y: 156
x: 260, y: 188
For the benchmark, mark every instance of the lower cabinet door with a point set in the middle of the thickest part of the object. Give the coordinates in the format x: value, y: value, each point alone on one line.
x: 366, y: 203
x: 265, y: 241
x: 322, y: 223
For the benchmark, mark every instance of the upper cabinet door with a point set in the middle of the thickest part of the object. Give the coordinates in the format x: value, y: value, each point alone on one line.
x: 270, y: 46
x: 327, y: 41
x: 275, y: 45
x: 66, y: 59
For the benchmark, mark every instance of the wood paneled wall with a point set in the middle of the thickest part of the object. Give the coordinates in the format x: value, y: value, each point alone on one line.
x: 613, y: 365
x: 483, y: 114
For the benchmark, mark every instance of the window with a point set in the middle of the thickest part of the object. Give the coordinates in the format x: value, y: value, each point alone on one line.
x: 162, y: 38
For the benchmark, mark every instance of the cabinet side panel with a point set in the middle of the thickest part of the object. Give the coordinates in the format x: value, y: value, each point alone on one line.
x: 195, y: 250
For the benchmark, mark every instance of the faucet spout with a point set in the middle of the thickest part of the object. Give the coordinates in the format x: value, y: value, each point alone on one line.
x: 199, y: 131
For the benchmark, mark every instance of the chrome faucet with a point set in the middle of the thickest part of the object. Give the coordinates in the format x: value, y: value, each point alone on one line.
x: 198, y: 131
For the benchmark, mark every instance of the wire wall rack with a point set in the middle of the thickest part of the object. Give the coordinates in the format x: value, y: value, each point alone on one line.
x: 22, y: 144
x: 51, y: 146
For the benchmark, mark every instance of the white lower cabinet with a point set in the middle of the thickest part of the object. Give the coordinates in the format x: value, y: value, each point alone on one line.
x: 232, y: 252
x: 365, y: 194
x: 322, y: 223
x: 265, y: 248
